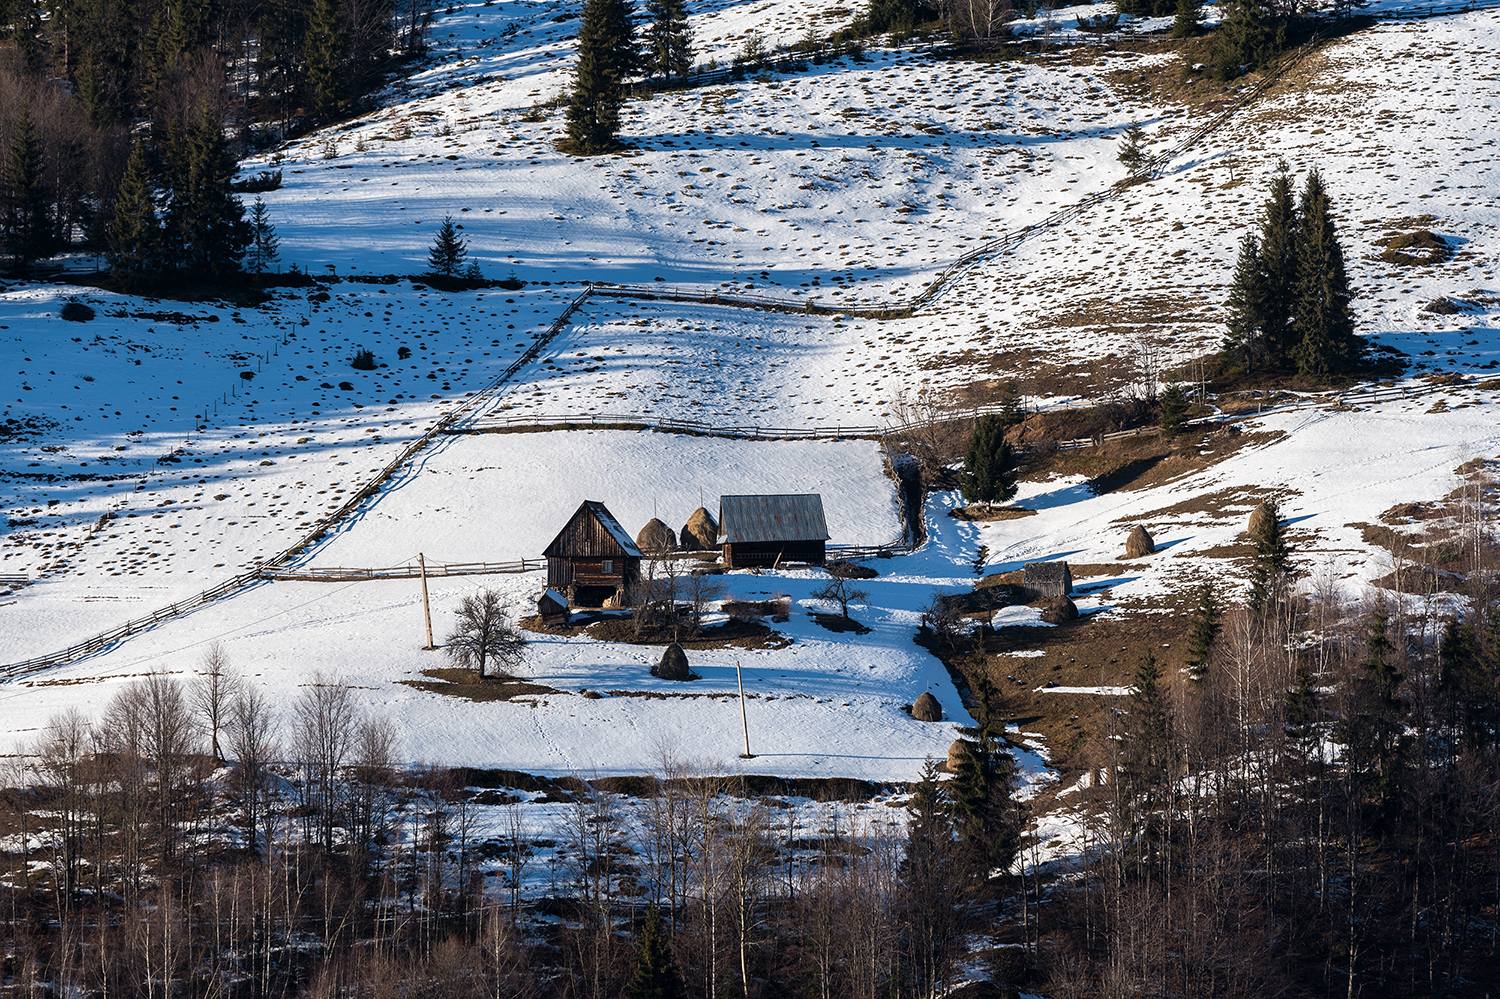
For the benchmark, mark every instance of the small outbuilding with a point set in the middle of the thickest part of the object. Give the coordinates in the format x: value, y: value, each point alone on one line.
x: 1046, y: 579
x: 592, y: 560
x: 552, y: 608
x: 763, y: 531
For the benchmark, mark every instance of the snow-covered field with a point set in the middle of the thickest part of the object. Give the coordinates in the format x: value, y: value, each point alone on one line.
x: 852, y: 180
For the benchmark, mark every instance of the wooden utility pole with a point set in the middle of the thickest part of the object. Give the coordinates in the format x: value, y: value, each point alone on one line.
x: 744, y: 721
x: 426, y: 607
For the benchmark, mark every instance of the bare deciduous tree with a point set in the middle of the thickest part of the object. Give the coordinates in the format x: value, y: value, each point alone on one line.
x: 327, y: 723
x: 213, y: 693
x: 484, y: 633
x: 251, y: 724
x: 840, y: 588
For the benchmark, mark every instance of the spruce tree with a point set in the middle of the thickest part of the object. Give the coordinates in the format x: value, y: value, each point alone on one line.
x: 989, y: 474
x: 1132, y: 148
x: 654, y: 973
x: 1278, y: 259
x: 1250, y: 34
x: 1271, y: 562
x: 669, y: 39
x: 206, y: 222
x: 1372, y: 730
x: 1248, y: 304
x: 324, y: 49
x: 1325, y: 321
x: 1188, y: 19
x: 1147, y: 745
x: 135, y: 234
x: 594, y: 106
x: 981, y: 793
x: 264, y: 244
x: 27, y: 229
x: 446, y: 257
x: 1203, y: 633
x: 1174, y: 408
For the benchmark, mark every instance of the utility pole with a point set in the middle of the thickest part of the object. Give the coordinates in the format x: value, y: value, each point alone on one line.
x: 744, y: 721
x: 426, y: 607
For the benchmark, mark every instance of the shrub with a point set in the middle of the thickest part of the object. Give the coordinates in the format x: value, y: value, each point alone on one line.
x: 77, y: 312
x: 364, y: 360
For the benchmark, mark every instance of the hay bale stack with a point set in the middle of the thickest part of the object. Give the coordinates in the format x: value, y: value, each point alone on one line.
x: 1060, y: 610
x: 927, y: 708
x: 673, y: 665
x: 1260, y: 519
x: 701, y: 532
x: 955, y: 754
x: 656, y: 538
x: 1139, y: 543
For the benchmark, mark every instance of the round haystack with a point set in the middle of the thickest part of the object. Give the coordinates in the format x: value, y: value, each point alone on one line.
x: 1060, y: 610
x: 673, y: 665
x: 1260, y: 519
x: 955, y: 754
x: 655, y: 538
x: 1139, y: 543
x: 701, y: 532
x: 927, y: 708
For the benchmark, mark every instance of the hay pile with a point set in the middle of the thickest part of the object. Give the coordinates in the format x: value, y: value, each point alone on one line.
x: 673, y: 665
x: 656, y: 538
x: 701, y: 532
x: 1139, y: 543
x: 1060, y: 610
x: 1260, y: 520
x: 955, y: 755
x: 927, y: 708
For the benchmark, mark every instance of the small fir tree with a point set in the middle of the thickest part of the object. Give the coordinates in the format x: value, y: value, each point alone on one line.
x: 1012, y: 411
x: 1325, y: 323
x: 1174, y: 409
x: 265, y: 247
x: 1271, y: 562
x: 1248, y: 304
x: 989, y: 474
x: 446, y: 257
x: 1132, y: 148
x: 1187, y: 20
x: 1203, y: 633
x: 981, y: 793
x: 669, y: 39
x: 654, y: 973
x: 135, y: 234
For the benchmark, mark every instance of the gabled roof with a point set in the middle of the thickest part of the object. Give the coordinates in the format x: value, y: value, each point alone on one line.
x: 771, y: 518
x: 554, y: 596
x: 600, y: 514
x: 1046, y: 572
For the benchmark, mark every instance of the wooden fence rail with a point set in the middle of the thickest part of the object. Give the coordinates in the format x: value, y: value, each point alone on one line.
x: 340, y: 574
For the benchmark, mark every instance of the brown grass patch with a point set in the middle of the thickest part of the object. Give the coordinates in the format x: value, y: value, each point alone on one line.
x: 466, y: 683
x: 731, y: 634
x: 983, y: 513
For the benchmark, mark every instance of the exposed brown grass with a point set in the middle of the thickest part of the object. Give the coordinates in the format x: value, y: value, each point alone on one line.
x: 466, y: 683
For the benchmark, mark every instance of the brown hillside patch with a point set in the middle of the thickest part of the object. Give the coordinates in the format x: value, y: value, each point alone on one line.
x: 731, y: 634
x: 983, y: 513
x: 466, y: 683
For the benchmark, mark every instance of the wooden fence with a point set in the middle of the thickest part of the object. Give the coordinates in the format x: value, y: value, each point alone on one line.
x: 335, y: 574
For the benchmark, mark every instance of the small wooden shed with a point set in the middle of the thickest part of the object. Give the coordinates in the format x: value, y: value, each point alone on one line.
x: 1046, y: 579
x: 759, y: 531
x: 552, y: 608
x: 592, y: 559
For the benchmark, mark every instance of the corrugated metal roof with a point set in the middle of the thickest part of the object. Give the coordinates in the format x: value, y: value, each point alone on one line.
x: 771, y: 518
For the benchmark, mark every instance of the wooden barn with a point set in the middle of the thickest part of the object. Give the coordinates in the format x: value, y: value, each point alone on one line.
x: 1046, y: 579
x: 592, y: 560
x: 552, y: 608
x: 759, y: 531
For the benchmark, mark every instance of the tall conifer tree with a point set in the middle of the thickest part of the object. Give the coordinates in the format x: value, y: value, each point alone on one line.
x: 607, y: 53
x: 669, y: 39
x: 989, y: 467
x: 324, y: 49
x: 27, y: 231
x: 1325, y: 320
x: 1248, y: 304
x: 1278, y: 260
x: 206, y: 222
x: 135, y: 235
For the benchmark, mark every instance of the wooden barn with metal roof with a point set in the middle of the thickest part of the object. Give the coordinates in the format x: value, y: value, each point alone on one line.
x: 592, y: 560
x: 762, y: 531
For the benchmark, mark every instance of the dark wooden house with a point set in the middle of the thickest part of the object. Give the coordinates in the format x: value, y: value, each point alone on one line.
x: 592, y: 561
x: 758, y: 531
x: 1046, y: 579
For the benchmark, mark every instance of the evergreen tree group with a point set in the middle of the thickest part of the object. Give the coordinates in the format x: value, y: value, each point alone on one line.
x: 989, y: 474
x: 1289, y: 304
x: 1252, y: 33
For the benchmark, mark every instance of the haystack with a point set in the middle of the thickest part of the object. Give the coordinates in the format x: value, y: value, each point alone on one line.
x: 1260, y: 519
x: 701, y: 532
x: 1139, y: 543
x: 955, y: 755
x: 673, y: 665
x: 927, y: 708
x: 656, y: 538
x: 1060, y: 610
